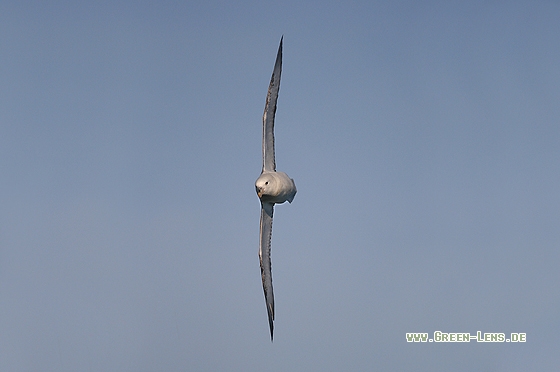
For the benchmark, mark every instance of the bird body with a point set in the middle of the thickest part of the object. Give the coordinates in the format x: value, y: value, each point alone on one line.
x: 275, y: 187
x: 272, y: 188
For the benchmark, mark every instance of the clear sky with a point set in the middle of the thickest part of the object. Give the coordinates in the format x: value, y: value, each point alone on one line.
x: 423, y: 137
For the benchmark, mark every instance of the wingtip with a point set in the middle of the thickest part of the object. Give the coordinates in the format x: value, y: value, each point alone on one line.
x: 279, y: 55
x: 271, y: 320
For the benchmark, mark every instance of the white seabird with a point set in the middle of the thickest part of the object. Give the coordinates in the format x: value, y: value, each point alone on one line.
x: 272, y: 187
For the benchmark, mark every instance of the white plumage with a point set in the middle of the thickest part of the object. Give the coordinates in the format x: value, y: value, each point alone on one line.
x: 272, y: 187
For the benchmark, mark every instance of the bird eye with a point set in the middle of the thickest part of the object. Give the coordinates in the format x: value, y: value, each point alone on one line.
x: 266, y: 183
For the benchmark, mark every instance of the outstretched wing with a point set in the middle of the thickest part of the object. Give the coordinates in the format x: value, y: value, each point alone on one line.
x: 267, y: 209
x: 269, y: 164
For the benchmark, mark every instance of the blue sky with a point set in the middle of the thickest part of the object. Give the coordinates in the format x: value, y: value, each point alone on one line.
x: 423, y: 138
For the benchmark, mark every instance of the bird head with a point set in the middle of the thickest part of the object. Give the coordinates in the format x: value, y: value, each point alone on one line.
x: 265, y: 185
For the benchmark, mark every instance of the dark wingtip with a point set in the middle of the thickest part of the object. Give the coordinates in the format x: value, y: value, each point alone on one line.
x: 279, y: 55
x: 271, y: 321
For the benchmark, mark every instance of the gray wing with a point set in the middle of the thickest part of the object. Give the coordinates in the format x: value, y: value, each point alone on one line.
x: 269, y: 164
x: 267, y: 210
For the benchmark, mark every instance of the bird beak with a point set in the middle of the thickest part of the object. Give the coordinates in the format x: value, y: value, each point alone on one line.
x: 259, y: 192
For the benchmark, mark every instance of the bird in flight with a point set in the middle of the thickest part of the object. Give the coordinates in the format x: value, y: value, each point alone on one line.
x: 272, y: 187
